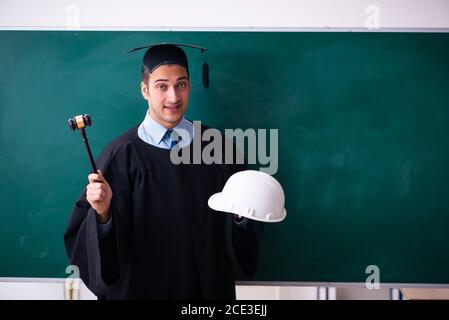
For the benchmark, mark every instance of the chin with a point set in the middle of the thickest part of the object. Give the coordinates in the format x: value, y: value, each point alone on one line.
x: 173, y: 120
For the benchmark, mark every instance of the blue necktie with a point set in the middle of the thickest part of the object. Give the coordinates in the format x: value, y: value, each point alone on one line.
x: 175, y: 140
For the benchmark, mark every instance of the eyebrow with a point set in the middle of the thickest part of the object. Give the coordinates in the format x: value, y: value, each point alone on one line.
x: 181, y: 78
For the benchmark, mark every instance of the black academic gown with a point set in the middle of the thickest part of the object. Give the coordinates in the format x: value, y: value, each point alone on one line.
x: 165, y: 242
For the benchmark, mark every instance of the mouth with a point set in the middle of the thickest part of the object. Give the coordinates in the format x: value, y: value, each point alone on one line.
x: 172, y: 108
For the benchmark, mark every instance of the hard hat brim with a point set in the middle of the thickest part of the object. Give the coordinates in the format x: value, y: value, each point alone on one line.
x: 218, y: 203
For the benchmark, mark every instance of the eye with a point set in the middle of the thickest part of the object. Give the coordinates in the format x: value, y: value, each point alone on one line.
x: 181, y: 85
x: 161, y: 87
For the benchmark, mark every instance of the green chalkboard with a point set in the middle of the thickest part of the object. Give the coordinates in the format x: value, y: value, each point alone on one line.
x: 363, y: 122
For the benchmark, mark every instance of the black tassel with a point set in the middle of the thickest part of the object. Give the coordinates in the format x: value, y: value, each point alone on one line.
x: 205, y: 75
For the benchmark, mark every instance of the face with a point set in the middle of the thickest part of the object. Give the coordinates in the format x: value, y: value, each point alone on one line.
x: 167, y: 93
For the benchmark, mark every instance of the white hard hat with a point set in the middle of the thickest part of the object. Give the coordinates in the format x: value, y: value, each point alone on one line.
x: 252, y: 194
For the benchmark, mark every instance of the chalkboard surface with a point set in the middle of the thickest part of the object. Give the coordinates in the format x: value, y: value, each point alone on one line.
x: 363, y: 122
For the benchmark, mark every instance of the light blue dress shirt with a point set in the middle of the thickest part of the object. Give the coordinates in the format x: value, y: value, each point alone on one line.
x: 153, y: 133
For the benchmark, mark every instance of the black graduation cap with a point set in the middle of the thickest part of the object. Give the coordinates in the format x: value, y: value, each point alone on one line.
x: 170, y: 53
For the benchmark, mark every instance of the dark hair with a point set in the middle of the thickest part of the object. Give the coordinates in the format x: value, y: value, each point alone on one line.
x: 145, y: 74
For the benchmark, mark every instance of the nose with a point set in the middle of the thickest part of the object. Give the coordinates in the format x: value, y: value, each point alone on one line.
x: 172, y: 95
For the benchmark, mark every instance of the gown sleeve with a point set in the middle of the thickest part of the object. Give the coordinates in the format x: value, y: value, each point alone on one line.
x: 101, y: 261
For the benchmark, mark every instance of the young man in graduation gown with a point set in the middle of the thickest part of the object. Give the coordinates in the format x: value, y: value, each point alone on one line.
x: 142, y: 229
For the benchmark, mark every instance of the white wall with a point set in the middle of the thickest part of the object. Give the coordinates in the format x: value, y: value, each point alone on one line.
x: 40, y: 289
x: 209, y: 14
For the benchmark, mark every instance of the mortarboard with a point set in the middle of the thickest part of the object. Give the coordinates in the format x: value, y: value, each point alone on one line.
x: 170, y: 53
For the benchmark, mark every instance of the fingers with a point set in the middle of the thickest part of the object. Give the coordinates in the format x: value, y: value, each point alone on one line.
x: 97, y: 182
x: 94, y: 177
x: 95, y: 199
x: 95, y: 195
x: 98, y: 192
x: 93, y: 192
x: 97, y: 177
x: 96, y: 186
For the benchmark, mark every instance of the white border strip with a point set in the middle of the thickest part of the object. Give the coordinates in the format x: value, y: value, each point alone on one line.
x: 226, y: 29
x: 265, y: 283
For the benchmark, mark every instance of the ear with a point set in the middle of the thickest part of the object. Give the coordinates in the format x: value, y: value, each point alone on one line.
x: 144, y: 90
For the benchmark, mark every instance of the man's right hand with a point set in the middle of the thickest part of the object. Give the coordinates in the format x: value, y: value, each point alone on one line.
x: 99, y: 195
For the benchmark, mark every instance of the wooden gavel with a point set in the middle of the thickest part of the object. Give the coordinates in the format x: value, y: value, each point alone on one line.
x: 80, y: 122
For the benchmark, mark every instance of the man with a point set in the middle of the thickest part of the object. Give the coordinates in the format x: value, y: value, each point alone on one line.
x: 142, y: 228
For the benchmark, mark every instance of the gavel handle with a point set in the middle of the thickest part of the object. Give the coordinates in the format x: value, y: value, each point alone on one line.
x: 89, y: 153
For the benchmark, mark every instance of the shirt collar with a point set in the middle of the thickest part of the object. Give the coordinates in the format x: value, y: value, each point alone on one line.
x: 156, y: 131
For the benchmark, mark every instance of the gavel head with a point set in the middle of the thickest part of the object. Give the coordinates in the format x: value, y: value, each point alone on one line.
x: 79, y: 122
